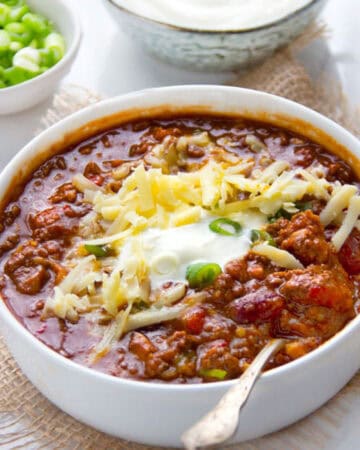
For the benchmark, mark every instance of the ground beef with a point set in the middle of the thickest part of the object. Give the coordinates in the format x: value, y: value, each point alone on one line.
x: 250, y: 267
x: 9, y: 242
x: 319, y: 285
x: 141, y: 346
x: 303, y: 236
x: 64, y: 193
x: 30, y: 266
x: 54, y: 222
x: 225, y: 288
x: 158, y: 359
x: 217, y: 355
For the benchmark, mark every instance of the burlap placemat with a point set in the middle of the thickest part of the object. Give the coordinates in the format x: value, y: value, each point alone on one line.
x: 28, y: 420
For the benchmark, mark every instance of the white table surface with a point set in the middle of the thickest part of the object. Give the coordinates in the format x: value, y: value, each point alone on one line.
x: 110, y: 64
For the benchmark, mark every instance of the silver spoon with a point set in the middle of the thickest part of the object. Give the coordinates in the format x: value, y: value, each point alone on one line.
x: 221, y: 422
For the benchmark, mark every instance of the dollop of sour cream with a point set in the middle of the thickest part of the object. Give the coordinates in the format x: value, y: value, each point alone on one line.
x: 214, y: 14
x: 168, y: 252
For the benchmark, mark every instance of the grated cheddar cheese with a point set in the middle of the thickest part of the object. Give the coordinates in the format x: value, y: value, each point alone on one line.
x: 154, y: 194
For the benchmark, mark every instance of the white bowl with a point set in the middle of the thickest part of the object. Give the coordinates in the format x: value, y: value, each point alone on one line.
x: 157, y: 414
x: 25, y: 95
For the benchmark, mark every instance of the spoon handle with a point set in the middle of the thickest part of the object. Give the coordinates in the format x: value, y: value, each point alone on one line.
x: 221, y: 422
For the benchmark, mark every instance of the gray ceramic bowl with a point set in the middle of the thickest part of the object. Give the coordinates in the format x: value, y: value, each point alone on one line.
x: 213, y: 50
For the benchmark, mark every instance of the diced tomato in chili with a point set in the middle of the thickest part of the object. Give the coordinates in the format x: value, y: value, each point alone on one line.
x: 194, y: 320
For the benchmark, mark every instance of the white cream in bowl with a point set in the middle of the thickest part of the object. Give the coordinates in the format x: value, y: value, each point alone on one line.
x: 214, y: 14
x: 172, y: 250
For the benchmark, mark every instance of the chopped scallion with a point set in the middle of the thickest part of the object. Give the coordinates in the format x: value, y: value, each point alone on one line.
x: 98, y: 250
x: 262, y: 236
x: 5, y: 41
x: 29, y: 44
x: 36, y: 23
x: 226, y: 227
x: 303, y: 206
x: 218, y: 374
x: 200, y: 275
x: 279, y: 214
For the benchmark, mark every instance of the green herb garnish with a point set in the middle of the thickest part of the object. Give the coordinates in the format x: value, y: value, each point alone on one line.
x: 303, y: 206
x: 98, y: 250
x: 226, y: 227
x: 262, y: 236
x: 200, y: 275
x: 29, y: 43
x: 219, y: 374
x: 279, y: 214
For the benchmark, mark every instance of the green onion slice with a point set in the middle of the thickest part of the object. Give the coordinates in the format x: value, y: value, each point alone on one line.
x: 200, y: 275
x: 219, y: 374
x: 36, y: 23
x: 29, y: 43
x: 303, y: 206
x: 98, y: 250
x: 262, y: 236
x: 280, y: 213
x: 225, y: 226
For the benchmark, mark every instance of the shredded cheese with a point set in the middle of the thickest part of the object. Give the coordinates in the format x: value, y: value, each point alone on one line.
x: 270, y: 174
x: 66, y: 305
x: 154, y: 315
x: 166, y: 297
x: 127, y: 282
x: 337, y: 203
x: 71, y: 296
x: 162, y: 196
x: 84, y: 184
x: 281, y: 258
x: 112, y: 333
x: 109, y: 239
x: 151, y: 198
x: 74, y: 279
x: 348, y: 224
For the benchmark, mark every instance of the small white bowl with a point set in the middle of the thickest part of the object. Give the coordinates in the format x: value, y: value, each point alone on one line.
x: 154, y: 413
x: 25, y: 95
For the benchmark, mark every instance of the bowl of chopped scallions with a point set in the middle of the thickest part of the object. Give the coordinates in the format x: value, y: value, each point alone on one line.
x: 38, y: 43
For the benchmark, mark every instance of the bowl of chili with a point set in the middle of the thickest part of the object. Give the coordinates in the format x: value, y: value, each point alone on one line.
x: 153, y: 243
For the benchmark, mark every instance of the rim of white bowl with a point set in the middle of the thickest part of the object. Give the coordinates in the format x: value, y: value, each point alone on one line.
x: 231, y: 31
x: 69, y: 53
x: 270, y: 375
